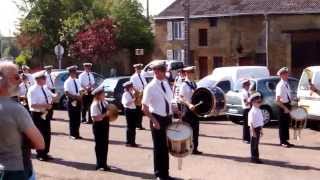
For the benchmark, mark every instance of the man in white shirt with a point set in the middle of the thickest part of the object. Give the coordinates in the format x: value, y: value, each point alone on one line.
x: 186, y: 91
x: 24, y: 87
x: 244, y: 94
x: 50, y: 85
x: 283, y: 100
x: 87, y: 83
x: 72, y: 89
x: 139, y: 83
x: 176, y: 87
x: 255, y: 121
x: 157, y: 105
x: 40, y: 102
x: 130, y: 111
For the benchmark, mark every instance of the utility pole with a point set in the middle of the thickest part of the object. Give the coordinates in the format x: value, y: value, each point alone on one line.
x: 188, y: 60
x: 148, y: 15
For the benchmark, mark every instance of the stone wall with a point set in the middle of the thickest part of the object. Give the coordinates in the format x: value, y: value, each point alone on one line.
x: 245, y: 31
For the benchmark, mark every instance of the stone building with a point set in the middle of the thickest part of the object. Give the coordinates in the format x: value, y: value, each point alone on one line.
x: 275, y: 33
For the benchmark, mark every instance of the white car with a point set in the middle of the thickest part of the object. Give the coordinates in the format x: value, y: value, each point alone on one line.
x: 228, y: 78
x: 308, y: 99
x: 172, y: 67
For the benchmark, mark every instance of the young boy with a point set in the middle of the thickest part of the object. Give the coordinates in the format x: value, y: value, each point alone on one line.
x: 255, y: 121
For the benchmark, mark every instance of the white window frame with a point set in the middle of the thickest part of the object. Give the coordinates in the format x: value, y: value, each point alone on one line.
x: 175, y: 30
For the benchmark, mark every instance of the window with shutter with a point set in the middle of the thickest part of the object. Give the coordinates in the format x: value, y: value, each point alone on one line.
x: 169, y: 30
x: 203, y: 37
x: 169, y: 54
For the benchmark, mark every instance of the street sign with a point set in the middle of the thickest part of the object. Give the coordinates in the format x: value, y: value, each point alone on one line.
x: 139, y: 52
x: 59, y: 51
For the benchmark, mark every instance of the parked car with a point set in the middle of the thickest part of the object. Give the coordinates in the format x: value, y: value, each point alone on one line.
x: 227, y: 78
x: 59, y: 77
x: 172, y: 67
x: 310, y: 101
x: 113, y: 89
x: 265, y: 86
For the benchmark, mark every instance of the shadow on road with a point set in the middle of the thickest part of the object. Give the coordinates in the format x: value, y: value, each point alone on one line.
x: 282, y: 164
x: 295, y: 147
x: 141, y: 175
x: 220, y: 137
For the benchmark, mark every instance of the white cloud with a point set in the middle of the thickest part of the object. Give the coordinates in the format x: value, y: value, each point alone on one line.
x: 156, y: 6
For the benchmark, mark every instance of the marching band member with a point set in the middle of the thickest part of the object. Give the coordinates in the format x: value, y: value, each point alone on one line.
x: 50, y: 86
x: 283, y: 100
x: 130, y: 111
x: 246, y: 108
x: 23, y: 91
x: 176, y: 87
x: 40, y: 101
x: 156, y: 104
x: 72, y: 90
x: 26, y: 71
x: 139, y: 83
x: 87, y: 83
x: 255, y: 121
x: 100, y: 128
x: 186, y: 90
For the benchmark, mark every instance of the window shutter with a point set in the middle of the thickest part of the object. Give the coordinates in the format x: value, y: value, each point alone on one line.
x: 182, y: 55
x: 169, y: 30
x: 182, y: 30
x: 169, y: 54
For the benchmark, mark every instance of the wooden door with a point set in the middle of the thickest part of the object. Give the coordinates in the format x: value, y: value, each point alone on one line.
x: 203, y: 66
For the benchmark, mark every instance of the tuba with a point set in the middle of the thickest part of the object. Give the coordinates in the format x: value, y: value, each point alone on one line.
x: 298, y: 121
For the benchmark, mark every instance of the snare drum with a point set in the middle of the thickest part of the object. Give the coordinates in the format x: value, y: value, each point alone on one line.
x: 179, y: 139
x: 298, y: 121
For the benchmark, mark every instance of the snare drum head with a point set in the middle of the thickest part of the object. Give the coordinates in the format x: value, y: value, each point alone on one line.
x: 299, y: 113
x: 179, y: 131
x: 205, y: 96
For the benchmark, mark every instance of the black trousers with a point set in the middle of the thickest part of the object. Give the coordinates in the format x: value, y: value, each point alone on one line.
x: 284, y: 122
x: 75, y: 118
x: 101, y: 138
x: 160, y: 148
x: 131, y: 117
x: 87, y: 100
x: 246, y: 127
x: 139, y: 117
x: 194, y: 121
x: 44, y: 127
x: 13, y: 175
x: 255, y: 144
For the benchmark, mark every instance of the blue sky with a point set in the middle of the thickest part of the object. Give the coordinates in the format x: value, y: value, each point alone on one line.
x: 9, y: 13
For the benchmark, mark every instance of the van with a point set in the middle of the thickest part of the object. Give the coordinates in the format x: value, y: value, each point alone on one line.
x: 228, y: 78
x: 308, y: 99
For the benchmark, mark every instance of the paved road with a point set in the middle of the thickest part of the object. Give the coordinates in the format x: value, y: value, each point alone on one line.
x: 226, y: 157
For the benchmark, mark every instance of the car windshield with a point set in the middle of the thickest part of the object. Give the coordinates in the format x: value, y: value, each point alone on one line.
x: 176, y: 65
x: 110, y: 84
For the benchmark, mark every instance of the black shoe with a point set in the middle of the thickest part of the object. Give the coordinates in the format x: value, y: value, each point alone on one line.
x: 107, y: 168
x: 246, y: 142
x: 256, y: 161
x: 142, y: 128
x: 42, y: 158
x: 196, y: 152
x: 84, y: 120
x: 289, y: 144
x: 88, y: 122
x: 79, y: 137
x: 49, y: 158
x: 285, y: 145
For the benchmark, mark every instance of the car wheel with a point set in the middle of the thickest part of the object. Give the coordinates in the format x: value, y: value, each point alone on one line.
x: 266, y: 112
x: 63, y: 103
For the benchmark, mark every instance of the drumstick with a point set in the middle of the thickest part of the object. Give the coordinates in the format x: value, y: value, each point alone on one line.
x: 196, y: 105
x: 173, y: 130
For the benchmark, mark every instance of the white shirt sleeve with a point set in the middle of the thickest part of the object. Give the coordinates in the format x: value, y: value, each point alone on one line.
x: 147, y: 94
x: 95, y: 111
x: 66, y: 86
x: 82, y: 79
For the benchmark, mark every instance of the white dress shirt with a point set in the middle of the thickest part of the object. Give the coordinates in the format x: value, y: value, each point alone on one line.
x: 23, y: 89
x: 96, y: 108
x: 244, y: 94
x: 49, y: 80
x: 35, y: 95
x: 255, y: 117
x: 70, y: 86
x: 30, y: 78
x: 154, y: 97
x: 283, y: 91
x: 85, y: 81
x: 127, y: 100
x: 137, y: 83
x: 186, y: 91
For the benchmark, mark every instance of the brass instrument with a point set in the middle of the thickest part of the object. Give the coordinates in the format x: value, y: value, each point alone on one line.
x: 112, y: 112
x: 23, y: 100
x: 138, y: 97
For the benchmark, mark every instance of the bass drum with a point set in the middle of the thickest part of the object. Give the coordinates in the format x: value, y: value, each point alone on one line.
x: 210, y: 101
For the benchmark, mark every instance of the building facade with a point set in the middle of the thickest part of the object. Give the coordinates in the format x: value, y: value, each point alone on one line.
x: 240, y: 32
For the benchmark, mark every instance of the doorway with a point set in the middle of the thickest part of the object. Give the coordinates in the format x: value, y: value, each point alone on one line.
x: 203, y: 66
